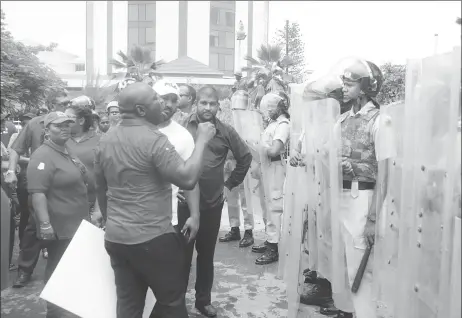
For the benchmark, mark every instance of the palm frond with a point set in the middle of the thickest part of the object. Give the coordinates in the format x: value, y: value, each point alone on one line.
x: 252, y: 60
x: 117, y: 64
x: 123, y: 56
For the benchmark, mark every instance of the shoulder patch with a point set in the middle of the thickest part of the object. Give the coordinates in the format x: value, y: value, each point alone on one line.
x: 41, y: 166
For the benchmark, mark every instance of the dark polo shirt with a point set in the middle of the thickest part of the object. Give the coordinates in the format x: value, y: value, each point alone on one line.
x: 136, y: 161
x: 85, y: 150
x: 31, y: 136
x: 61, y: 178
x: 211, y: 182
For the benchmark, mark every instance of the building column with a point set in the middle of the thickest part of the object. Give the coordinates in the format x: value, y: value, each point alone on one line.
x: 183, y: 29
x: 109, y: 36
x: 90, y: 29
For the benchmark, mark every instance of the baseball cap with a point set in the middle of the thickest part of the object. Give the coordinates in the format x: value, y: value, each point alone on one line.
x: 57, y: 118
x: 163, y: 88
x: 114, y: 103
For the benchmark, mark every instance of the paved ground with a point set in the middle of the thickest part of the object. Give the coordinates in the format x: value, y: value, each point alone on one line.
x: 242, y: 289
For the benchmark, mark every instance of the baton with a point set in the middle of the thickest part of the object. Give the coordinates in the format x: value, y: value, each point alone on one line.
x: 361, y: 270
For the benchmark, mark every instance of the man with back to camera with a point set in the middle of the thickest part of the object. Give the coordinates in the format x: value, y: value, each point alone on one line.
x: 30, y: 138
x: 184, y: 145
x: 135, y: 165
x: 211, y: 187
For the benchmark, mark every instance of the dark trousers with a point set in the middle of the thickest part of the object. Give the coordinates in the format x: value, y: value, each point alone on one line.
x: 205, y: 242
x: 24, y: 212
x: 56, y: 250
x: 12, y: 233
x: 30, y: 247
x: 156, y: 264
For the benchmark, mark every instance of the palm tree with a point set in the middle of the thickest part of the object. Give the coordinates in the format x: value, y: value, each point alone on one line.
x: 268, y: 56
x: 139, y: 63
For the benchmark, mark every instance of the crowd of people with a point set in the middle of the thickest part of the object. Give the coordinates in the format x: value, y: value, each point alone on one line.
x: 160, y: 149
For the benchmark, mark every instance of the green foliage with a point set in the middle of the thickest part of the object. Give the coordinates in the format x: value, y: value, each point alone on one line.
x: 100, y: 92
x: 393, y: 88
x: 26, y: 83
x: 266, y: 56
x: 296, y: 56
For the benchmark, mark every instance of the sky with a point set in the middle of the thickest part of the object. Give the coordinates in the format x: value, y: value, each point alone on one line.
x: 380, y: 31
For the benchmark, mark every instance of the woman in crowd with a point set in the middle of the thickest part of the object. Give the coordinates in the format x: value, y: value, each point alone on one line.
x: 83, y: 142
x: 57, y: 184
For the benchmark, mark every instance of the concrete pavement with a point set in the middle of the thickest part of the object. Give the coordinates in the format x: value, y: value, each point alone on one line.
x: 241, y: 288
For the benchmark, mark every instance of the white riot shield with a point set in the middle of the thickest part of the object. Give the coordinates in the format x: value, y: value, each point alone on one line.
x: 389, y: 183
x: 249, y: 125
x: 429, y: 170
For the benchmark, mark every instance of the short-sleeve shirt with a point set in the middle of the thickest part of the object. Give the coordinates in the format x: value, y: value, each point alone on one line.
x: 183, y: 142
x: 61, y: 178
x: 85, y: 151
x: 10, y: 129
x: 137, y: 161
x: 30, y: 137
x: 278, y: 129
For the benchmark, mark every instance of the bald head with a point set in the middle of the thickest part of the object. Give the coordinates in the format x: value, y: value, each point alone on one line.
x: 136, y: 94
x: 141, y: 100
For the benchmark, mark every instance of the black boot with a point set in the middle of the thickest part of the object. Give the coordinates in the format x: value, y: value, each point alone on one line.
x: 247, y: 240
x: 319, y: 294
x: 233, y: 235
x: 271, y: 255
x: 310, y: 276
x: 260, y: 248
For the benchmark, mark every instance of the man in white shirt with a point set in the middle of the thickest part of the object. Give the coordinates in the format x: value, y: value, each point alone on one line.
x: 184, y: 145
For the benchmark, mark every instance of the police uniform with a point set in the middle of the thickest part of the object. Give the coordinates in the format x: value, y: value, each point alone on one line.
x: 278, y: 129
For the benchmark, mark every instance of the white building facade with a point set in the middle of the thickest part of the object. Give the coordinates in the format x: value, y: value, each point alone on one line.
x: 202, y: 30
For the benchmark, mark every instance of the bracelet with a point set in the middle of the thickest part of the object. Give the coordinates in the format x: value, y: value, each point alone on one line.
x: 45, y: 228
x: 371, y: 220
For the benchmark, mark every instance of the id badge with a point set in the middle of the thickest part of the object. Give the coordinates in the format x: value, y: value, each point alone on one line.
x: 354, y: 189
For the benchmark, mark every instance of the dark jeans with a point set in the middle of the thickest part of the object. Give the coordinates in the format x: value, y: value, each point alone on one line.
x: 157, y: 264
x: 30, y: 247
x: 56, y: 250
x: 24, y: 212
x: 205, y: 242
x: 12, y: 233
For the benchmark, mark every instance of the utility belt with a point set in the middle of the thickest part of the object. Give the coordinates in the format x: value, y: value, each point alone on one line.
x: 361, y: 185
x: 278, y: 158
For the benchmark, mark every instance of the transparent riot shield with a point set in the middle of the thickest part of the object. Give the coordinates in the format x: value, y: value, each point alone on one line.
x: 389, y: 183
x: 429, y: 170
x: 249, y: 125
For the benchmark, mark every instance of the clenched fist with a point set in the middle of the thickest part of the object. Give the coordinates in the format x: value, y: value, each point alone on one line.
x: 206, y: 131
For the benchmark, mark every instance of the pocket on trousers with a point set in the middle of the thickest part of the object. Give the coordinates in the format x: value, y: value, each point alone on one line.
x: 277, y: 200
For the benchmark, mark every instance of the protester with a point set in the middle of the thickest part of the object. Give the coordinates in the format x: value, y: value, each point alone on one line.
x: 135, y: 164
x: 232, y: 198
x: 274, y: 142
x: 183, y: 142
x: 103, y: 123
x: 211, y: 186
x: 83, y: 143
x: 113, y: 113
x: 57, y: 184
x: 186, y: 102
x: 28, y: 140
x: 8, y: 129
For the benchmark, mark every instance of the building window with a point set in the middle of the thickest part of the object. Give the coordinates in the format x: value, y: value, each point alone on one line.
x: 132, y: 12
x: 230, y: 19
x: 150, y: 35
x: 80, y: 67
x: 230, y: 40
x: 132, y: 36
x: 150, y: 12
x: 214, y: 61
x: 215, y: 16
x: 214, y: 39
x: 141, y: 12
x: 229, y: 63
